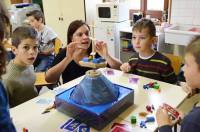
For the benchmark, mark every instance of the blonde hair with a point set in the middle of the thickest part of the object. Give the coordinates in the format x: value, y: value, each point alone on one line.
x: 194, y: 49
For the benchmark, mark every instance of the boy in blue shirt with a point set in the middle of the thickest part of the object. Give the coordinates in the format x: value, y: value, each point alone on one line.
x: 191, y: 122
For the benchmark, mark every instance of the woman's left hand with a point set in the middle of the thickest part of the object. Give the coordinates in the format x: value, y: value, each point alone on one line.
x: 101, y: 48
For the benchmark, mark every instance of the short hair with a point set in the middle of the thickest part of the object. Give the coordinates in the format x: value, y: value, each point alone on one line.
x: 194, y: 49
x: 145, y: 23
x: 21, y: 33
x: 75, y: 25
x: 36, y: 14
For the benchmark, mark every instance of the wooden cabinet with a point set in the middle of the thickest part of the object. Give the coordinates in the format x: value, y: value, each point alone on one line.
x: 20, y: 1
x: 60, y: 13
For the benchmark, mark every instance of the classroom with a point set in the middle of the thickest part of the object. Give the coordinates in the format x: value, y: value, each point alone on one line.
x: 99, y: 66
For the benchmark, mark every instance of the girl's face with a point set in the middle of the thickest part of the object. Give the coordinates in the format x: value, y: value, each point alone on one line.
x: 191, y: 71
x: 82, y: 36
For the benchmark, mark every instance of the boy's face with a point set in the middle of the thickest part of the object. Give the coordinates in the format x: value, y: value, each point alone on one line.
x: 26, y: 52
x: 33, y: 22
x: 142, y: 41
x: 191, y: 71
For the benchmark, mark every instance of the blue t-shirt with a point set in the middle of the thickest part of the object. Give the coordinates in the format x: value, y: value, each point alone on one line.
x: 6, y: 124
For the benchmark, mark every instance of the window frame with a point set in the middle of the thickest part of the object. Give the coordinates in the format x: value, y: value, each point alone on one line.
x: 153, y: 13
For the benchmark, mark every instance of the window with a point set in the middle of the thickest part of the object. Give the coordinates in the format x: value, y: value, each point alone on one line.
x: 135, y: 4
x: 154, y: 8
x: 158, y: 6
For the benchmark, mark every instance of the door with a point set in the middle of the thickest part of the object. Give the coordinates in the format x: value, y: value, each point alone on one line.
x: 60, y: 13
x: 71, y: 10
x: 52, y: 13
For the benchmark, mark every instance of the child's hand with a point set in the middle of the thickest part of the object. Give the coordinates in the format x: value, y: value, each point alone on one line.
x: 162, y: 117
x: 125, y: 67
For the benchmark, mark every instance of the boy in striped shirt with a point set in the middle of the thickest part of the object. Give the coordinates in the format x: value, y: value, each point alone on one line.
x: 146, y: 61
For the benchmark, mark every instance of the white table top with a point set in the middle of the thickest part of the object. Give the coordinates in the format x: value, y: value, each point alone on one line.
x: 28, y: 115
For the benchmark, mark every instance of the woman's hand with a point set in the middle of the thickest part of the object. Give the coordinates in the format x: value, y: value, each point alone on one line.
x: 101, y: 48
x: 162, y: 117
x: 72, y: 50
x: 125, y: 67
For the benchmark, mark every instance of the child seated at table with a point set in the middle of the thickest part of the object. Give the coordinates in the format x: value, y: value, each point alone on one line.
x: 20, y: 77
x: 46, y: 39
x: 191, y: 122
x: 146, y: 61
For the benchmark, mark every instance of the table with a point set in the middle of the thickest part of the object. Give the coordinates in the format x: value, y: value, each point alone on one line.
x: 28, y: 115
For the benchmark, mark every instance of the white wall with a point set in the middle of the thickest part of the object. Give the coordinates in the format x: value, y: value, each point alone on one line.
x: 7, y: 3
x: 185, y: 12
x: 91, y: 10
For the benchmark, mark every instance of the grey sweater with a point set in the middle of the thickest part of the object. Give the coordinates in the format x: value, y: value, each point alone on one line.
x: 19, y: 82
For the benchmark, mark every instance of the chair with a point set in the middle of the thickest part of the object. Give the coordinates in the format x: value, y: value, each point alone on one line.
x: 40, y: 79
x: 58, y: 46
x: 176, y: 62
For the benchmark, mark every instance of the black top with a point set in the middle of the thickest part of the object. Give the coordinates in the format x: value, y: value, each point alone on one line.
x: 157, y: 67
x: 191, y: 122
x: 72, y: 71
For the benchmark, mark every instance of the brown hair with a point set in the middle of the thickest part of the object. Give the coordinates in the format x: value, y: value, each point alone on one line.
x: 36, y: 14
x: 2, y: 50
x: 4, y: 25
x: 145, y: 23
x: 75, y: 25
x: 194, y: 49
x: 21, y: 33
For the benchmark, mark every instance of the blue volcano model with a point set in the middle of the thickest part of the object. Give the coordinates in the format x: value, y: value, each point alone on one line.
x: 95, y: 100
x: 94, y: 89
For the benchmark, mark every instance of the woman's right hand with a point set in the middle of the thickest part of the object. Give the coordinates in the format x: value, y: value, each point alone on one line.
x: 125, y: 67
x: 70, y: 50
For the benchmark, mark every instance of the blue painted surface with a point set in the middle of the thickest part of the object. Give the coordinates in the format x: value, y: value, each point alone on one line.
x: 98, y: 109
